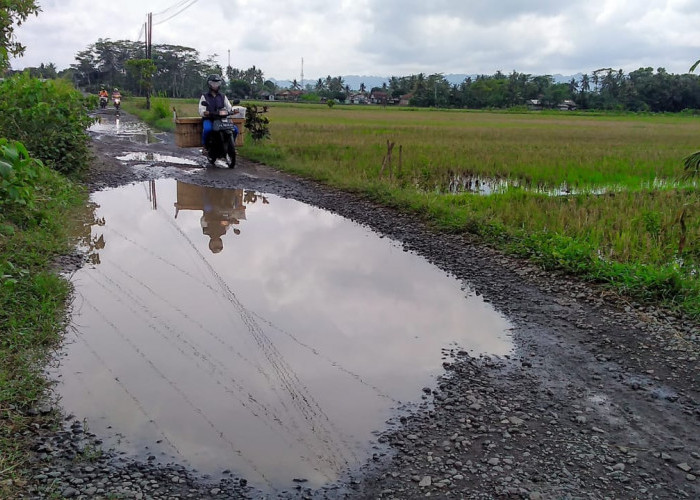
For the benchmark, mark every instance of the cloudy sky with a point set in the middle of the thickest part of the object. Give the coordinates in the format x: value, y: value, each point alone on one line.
x: 384, y: 37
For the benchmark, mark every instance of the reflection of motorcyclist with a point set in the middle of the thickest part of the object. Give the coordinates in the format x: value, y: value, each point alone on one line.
x: 222, y: 208
x: 211, y: 105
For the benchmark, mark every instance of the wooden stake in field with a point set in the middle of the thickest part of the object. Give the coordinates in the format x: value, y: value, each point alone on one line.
x: 387, y: 159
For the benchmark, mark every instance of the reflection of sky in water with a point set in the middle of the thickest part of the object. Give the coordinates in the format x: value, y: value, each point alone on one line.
x: 274, y: 356
x: 142, y: 156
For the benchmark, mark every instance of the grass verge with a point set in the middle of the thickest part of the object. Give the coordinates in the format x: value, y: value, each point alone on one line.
x: 33, y: 311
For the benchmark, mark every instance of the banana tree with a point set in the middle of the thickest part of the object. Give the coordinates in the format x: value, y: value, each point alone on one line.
x: 692, y: 162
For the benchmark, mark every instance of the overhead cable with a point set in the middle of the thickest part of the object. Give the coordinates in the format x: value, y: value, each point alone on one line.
x: 173, y: 7
x: 189, y: 4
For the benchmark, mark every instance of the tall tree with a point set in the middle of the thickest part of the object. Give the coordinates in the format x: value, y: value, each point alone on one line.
x: 13, y: 12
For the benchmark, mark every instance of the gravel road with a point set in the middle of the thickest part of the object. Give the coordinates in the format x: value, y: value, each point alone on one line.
x: 599, y: 400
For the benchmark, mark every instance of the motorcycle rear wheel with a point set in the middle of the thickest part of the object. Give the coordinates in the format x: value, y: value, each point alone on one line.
x: 230, y: 146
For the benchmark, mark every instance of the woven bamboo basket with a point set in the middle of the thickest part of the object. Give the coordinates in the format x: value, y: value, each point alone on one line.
x: 188, y: 132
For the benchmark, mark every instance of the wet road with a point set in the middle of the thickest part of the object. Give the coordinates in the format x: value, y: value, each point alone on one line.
x: 235, y: 330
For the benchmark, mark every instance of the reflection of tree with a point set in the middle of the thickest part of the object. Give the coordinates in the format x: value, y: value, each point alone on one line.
x: 252, y: 197
x: 85, y: 229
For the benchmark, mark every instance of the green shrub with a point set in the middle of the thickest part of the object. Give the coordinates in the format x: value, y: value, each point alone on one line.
x: 160, y: 108
x: 50, y: 118
x: 17, y: 175
x: 256, y: 123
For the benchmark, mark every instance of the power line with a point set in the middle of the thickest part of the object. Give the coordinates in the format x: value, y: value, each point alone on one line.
x: 187, y: 6
x: 171, y: 8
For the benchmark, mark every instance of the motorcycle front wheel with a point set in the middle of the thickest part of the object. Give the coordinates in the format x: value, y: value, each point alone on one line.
x: 230, y: 146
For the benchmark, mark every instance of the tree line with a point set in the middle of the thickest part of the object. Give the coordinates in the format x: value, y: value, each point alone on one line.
x: 178, y: 71
x: 606, y: 89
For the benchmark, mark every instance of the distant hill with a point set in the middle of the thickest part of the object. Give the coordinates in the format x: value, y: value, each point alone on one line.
x: 354, y: 81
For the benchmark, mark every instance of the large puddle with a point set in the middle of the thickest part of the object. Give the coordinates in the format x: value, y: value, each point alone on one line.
x: 112, y: 125
x: 230, y: 330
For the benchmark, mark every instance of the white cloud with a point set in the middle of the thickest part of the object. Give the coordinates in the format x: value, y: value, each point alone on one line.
x: 386, y: 38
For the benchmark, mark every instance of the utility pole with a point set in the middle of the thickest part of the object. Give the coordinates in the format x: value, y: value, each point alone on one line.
x: 149, y: 55
x: 302, y: 73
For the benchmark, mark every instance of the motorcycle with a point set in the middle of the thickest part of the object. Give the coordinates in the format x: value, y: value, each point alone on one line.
x: 103, y: 102
x: 221, y: 141
x: 117, y: 102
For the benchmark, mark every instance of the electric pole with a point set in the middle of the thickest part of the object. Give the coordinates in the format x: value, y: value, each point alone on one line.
x: 149, y: 55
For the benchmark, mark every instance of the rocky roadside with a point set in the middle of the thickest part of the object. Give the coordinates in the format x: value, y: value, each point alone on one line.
x: 601, y: 398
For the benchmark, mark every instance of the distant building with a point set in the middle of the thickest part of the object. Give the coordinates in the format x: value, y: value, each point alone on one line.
x: 379, y: 97
x: 567, y: 105
x: 358, y: 98
x: 534, y: 104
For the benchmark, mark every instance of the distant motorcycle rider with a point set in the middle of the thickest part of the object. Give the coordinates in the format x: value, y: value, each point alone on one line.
x: 211, y: 104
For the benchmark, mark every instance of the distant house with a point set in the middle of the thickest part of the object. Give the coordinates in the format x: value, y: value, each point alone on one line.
x: 266, y: 96
x: 405, y: 99
x: 379, y: 97
x: 288, y: 95
x: 358, y: 98
x: 534, y: 104
x: 567, y: 105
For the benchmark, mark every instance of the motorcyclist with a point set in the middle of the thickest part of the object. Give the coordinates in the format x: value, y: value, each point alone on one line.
x: 104, y: 97
x: 211, y: 104
x: 116, y: 94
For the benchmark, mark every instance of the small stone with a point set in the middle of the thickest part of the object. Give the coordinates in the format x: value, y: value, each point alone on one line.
x: 70, y: 493
x: 690, y: 477
x: 516, y: 420
x: 426, y: 481
x: 494, y: 461
x: 684, y: 467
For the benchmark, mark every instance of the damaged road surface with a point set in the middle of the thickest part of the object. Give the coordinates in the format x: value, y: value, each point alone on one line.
x: 452, y: 371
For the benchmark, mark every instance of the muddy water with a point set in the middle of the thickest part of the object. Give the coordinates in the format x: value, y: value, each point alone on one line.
x: 232, y: 330
x: 111, y: 125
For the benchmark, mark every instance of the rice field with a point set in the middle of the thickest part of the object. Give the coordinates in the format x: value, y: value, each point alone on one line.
x: 602, y: 195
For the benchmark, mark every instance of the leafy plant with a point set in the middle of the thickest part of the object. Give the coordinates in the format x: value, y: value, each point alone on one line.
x: 257, y: 123
x: 50, y: 118
x: 17, y: 175
x: 692, y: 165
x: 160, y: 108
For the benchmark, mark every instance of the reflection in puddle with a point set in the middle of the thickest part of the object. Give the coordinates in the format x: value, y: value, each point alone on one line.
x: 275, y: 356
x: 141, y: 156
x: 469, y: 183
x: 112, y: 125
x: 475, y: 184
